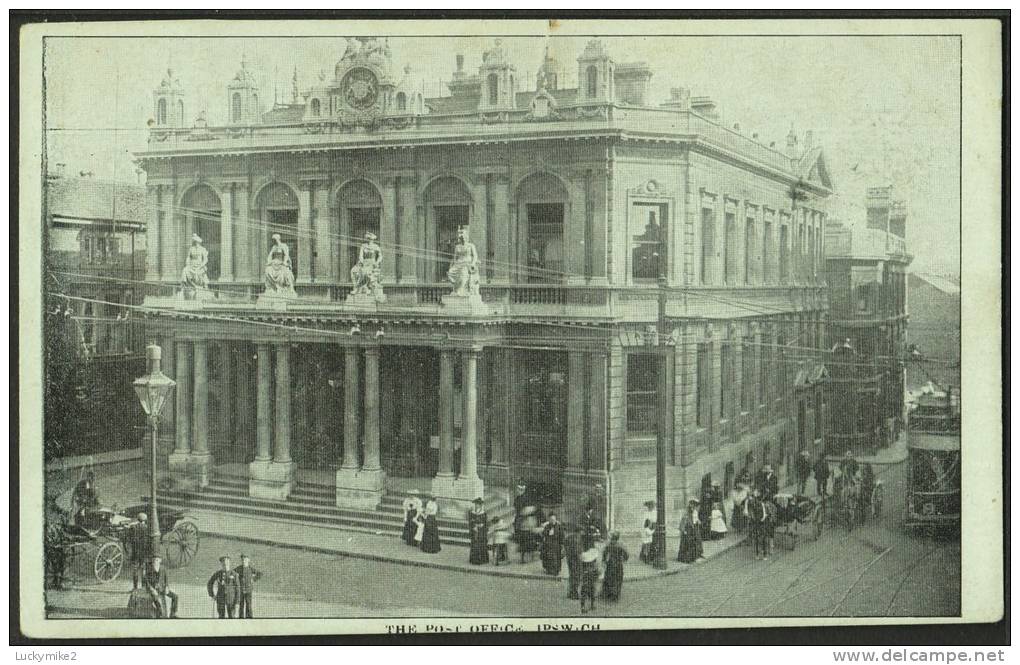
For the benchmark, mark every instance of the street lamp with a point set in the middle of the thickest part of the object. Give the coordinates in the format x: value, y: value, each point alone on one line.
x: 153, y: 390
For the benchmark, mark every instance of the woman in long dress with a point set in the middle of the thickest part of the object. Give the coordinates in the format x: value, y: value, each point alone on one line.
x: 430, y: 533
x: 717, y: 528
x: 412, y: 508
x: 478, y: 526
x: 552, y: 546
x: 690, y: 535
x: 647, y: 554
x: 613, y: 557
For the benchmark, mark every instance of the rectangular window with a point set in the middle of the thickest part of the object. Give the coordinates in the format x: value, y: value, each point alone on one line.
x: 863, y: 297
x: 545, y: 242
x: 729, y: 245
x: 545, y: 403
x: 747, y: 375
x: 648, y: 256
x: 642, y: 393
x: 725, y: 379
x: 703, y: 386
x: 749, y: 250
x: 707, y: 243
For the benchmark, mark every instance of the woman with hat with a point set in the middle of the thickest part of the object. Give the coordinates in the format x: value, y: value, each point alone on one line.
x: 478, y: 526
x: 614, y: 556
x: 430, y: 531
x: 412, y: 508
x: 589, y: 577
x: 552, y: 545
x: 528, y: 537
x: 647, y: 554
x: 690, y: 535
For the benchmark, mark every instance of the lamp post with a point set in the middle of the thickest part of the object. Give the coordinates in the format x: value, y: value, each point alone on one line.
x: 663, y: 412
x: 153, y: 390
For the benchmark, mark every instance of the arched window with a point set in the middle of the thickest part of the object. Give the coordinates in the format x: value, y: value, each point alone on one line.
x: 180, y: 111
x: 316, y: 107
x: 202, y: 209
x: 593, y: 81
x: 161, y: 112
x: 401, y: 101
x: 493, y: 89
x: 542, y: 206
x: 235, y: 107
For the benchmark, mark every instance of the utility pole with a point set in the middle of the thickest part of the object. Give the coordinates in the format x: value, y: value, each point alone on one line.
x: 659, y: 336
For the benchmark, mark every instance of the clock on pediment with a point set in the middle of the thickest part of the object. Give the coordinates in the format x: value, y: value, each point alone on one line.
x: 360, y: 88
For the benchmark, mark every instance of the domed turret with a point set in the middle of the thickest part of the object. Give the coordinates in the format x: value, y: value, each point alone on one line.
x: 243, y: 97
x: 168, y: 102
x: 407, y: 96
x: 499, y: 84
x: 595, y: 74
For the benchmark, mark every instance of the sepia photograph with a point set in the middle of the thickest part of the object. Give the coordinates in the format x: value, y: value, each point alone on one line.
x: 431, y: 322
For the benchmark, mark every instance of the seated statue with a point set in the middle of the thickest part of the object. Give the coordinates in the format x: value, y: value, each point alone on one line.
x: 279, y: 273
x: 365, y: 273
x: 194, y: 275
x: 463, y: 272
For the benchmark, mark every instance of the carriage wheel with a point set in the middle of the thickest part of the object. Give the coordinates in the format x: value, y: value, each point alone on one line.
x: 818, y: 522
x: 180, y: 544
x: 876, y: 502
x: 109, y: 562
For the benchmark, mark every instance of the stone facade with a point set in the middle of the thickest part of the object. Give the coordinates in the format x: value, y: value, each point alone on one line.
x: 613, y: 246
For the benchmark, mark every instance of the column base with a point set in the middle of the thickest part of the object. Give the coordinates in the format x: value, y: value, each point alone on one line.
x: 360, y: 488
x: 189, y: 471
x: 271, y: 480
x: 453, y: 492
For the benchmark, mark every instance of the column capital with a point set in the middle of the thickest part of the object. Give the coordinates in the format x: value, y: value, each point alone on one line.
x: 371, y: 349
x: 470, y: 351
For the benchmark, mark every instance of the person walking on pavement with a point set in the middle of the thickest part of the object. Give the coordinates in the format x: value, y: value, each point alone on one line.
x: 769, y: 483
x: 223, y: 587
x: 247, y: 576
x: 822, y: 474
x: 848, y: 465
x: 757, y: 515
x: 572, y: 545
x: 500, y: 539
x: 141, y: 543
x: 478, y: 527
x: 803, y: 468
x: 552, y: 545
x: 614, y: 556
x: 647, y: 554
x: 589, y: 577
x: 154, y: 580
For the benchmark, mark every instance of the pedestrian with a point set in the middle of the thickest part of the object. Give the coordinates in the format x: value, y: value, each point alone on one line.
x: 412, y: 508
x: 593, y: 530
x: 647, y: 555
x: 86, y: 501
x: 140, y: 542
x: 552, y: 545
x: 528, y: 538
x: 822, y: 475
x: 430, y: 532
x: 803, y: 468
x: 500, y: 538
x: 613, y: 557
x: 247, y: 576
x: 478, y: 526
x: 223, y: 587
x: 738, y: 497
x: 521, y: 501
x: 589, y: 577
x: 717, y: 495
x: 690, y: 535
x: 155, y: 581
x: 848, y: 465
x: 769, y: 483
x: 572, y: 548
x: 718, y: 526
x: 756, y: 517
x: 705, y: 511
x: 53, y: 551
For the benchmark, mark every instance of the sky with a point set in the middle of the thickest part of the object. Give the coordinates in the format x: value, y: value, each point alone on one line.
x: 885, y: 109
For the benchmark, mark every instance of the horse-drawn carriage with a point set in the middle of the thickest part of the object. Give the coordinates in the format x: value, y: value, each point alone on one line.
x: 99, y: 538
x: 856, y: 498
x: 794, y: 512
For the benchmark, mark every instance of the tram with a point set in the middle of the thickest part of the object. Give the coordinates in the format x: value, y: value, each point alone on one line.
x: 933, y: 445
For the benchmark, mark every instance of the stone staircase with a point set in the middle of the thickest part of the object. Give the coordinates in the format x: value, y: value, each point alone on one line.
x: 315, y: 504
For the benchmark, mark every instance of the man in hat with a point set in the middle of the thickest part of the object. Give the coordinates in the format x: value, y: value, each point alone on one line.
x: 769, y: 484
x: 822, y: 475
x: 154, y: 580
x: 224, y: 587
x: 247, y: 576
x: 848, y: 466
x: 141, y: 544
x: 592, y: 528
x: 803, y: 468
x: 572, y: 548
x: 521, y: 501
x: 86, y: 501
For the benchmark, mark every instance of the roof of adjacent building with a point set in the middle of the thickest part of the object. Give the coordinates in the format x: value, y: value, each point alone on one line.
x: 948, y: 285
x: 95, y: 199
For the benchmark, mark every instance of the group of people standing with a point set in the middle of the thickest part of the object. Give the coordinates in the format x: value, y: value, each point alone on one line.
x: 421, y: 524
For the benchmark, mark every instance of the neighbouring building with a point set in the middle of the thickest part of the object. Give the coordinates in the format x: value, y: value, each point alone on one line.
x: 95, y: 262
x: 866, y: 269
x: 619, y: 240
x: 934, y: 335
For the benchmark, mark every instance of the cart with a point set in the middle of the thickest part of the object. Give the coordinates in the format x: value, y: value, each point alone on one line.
x: 794, y: 512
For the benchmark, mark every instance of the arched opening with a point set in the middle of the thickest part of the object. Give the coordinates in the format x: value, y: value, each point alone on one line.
x: 276, y: 207
x: 541, y: 210
x: 316, y: 107
x: 180, y: 111
x: 359, y: 205
x: 448, y: 205
x: 200, y: 209
x: 401, y: 101
x: 235, y: 107
x: 493, y: 89
x: 161, y: 111
x: 592, y: 81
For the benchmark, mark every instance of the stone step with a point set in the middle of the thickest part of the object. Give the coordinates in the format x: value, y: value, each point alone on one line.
x: 298, y: 514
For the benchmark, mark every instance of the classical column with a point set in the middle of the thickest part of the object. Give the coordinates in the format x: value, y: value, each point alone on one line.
x: 152, y: 233
x: 227, y: 235
x: 469, y: 426
x: 243, y: 404
x: 182, y: 445
x: 445, y: 414
x: 304, y: 231
x: 200, y: 408
x: 351, y: 408
x: 281, y: 453
x: 388, y: 231
x: 264, y: 405
x: 169, y: 270
x: 372, y: 408
x: 227, y: 388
